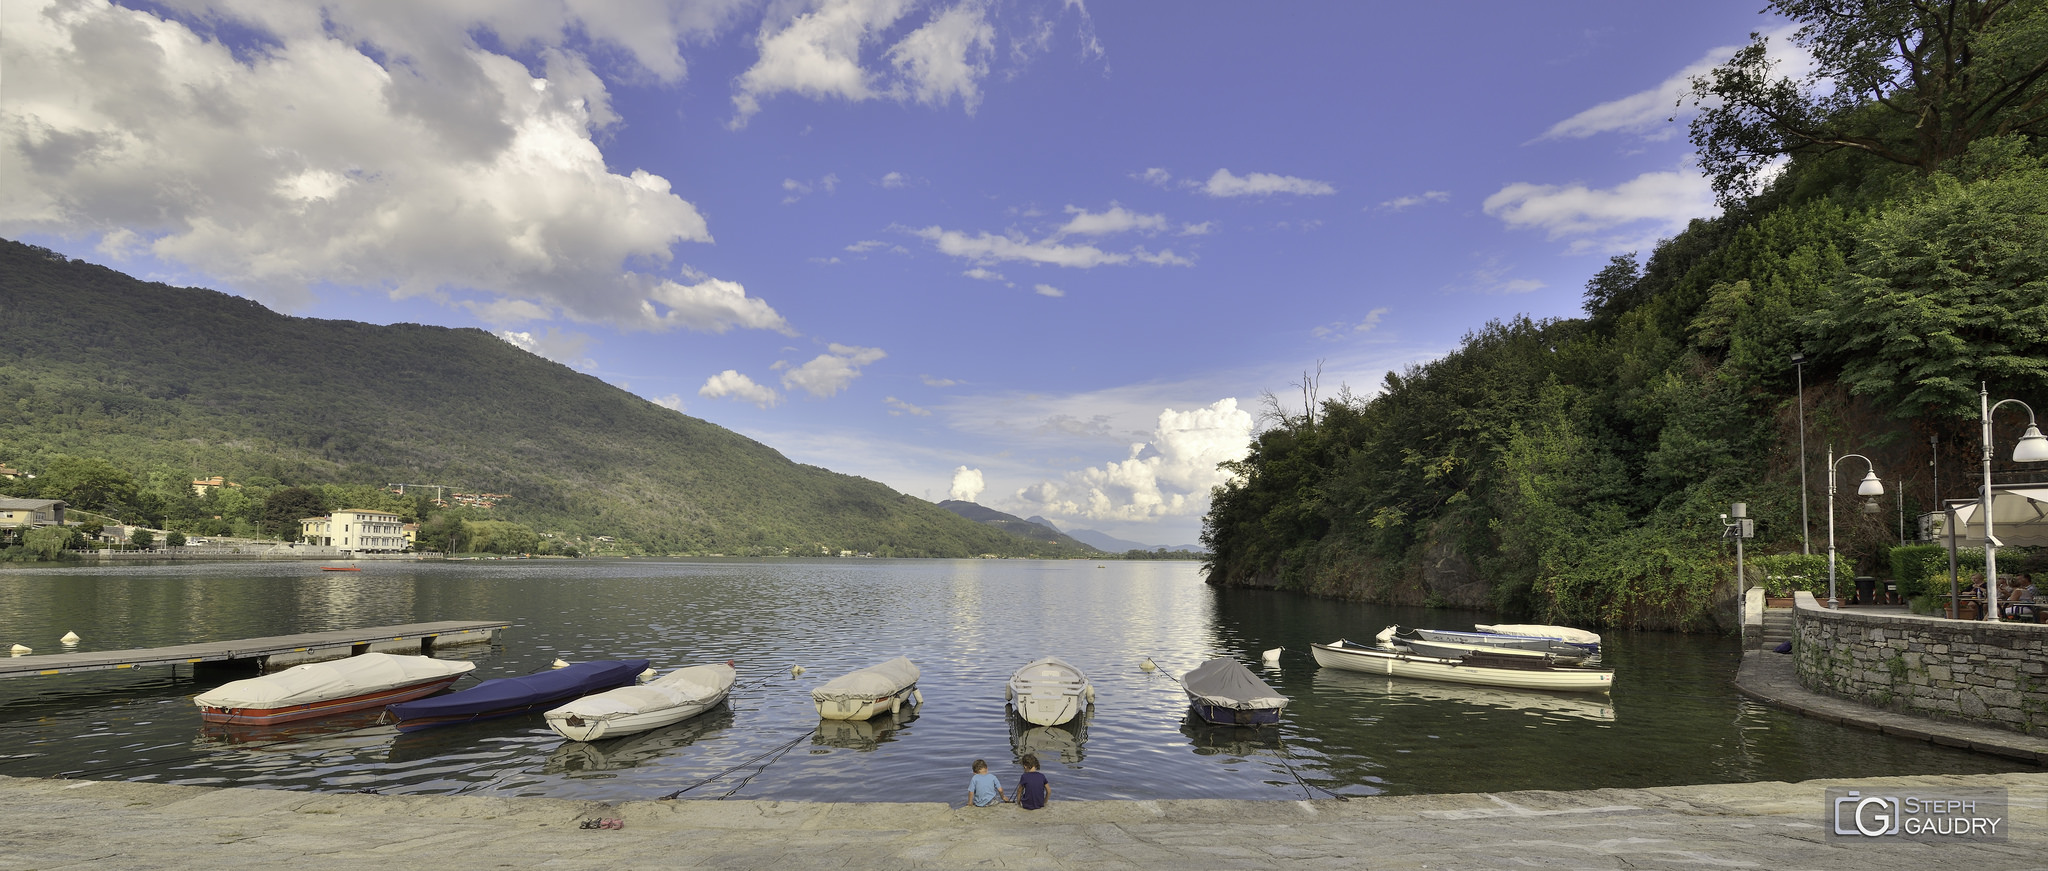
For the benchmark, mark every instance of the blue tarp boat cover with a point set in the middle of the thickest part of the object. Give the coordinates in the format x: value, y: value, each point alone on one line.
x: 511, y: 695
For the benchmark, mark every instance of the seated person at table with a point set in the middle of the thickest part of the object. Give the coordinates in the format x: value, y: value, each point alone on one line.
x: 2022, y: 599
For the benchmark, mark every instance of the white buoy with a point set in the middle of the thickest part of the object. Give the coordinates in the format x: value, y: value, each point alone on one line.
x: 648, y: 675
x: 1147, y: 665
x: 69, y: 638
x: 559, y: 663
x: 795, y: 670
x: 1272, y: 657
x: 20, y: 649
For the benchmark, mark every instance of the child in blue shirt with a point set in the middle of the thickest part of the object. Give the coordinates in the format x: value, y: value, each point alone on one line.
x: 983, y: 789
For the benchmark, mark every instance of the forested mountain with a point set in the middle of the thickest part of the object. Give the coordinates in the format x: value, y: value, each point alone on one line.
x: 1574, y: 470
x: 1019, y: 527
x: 170, y: 384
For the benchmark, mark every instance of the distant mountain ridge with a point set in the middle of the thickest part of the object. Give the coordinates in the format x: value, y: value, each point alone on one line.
x: 1109, y: 543
x: 174, y: 383
x: 1035, y: 529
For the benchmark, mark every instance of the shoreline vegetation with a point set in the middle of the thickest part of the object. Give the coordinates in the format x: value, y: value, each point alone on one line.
x: 1575, y: 470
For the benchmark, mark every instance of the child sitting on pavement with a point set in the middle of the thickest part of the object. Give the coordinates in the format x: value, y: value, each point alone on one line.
x: 983, y: 789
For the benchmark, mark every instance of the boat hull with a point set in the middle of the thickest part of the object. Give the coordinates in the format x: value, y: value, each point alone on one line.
x: 290, y: 713
x: 1375, y: 661
x: 1225, y: 715
x: 859, y: 709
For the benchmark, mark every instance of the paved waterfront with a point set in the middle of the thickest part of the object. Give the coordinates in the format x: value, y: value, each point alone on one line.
x: 56, y: 824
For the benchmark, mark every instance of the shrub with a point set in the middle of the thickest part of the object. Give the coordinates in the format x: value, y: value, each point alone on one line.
x: 1782, y: 574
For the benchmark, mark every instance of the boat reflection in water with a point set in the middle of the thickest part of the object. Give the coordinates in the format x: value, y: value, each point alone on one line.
x: 298, y: 734
x: 1538, y: 705
x: 639, y: 748
x: 1210, y: 739
x: 863, y: 734
x: 1063, y: 742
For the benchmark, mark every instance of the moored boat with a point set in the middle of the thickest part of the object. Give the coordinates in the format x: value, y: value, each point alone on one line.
x: 1048, y: 692
x: 1484, y: 668
x: 1540, y: 643
x: 877, y: 689
x: 1421, y: 646
x: 507, y: 696
x: 317, y: 689
x: 1224, y: 692
x: 671, y: 698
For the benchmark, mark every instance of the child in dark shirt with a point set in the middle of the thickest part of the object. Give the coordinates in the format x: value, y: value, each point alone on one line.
x: 1033, y: 790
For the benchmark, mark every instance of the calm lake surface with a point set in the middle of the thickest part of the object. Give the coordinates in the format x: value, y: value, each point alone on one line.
x: 1673, y: 718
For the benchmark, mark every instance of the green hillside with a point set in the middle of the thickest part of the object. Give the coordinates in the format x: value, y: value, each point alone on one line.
x: 1575, y: 470
x: 169, y: 384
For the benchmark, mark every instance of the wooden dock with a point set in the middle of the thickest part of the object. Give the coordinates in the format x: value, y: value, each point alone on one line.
x: 268, y: 653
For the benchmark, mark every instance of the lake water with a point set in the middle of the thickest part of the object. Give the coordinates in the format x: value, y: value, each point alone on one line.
x: 1673, y: 718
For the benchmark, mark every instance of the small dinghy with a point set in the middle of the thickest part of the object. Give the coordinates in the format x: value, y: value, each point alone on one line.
x: 317, y: 689
x: 1048, y: 692
x: 1486, y: 668
x: 877, y: 689
x: 1539, y: 643
x: 507, y: 696
x: 671, y: 698
x: 1226, y: 693
x: 1420, y: 645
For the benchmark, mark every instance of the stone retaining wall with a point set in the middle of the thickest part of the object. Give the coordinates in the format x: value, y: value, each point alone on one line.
x: 1981, y: 672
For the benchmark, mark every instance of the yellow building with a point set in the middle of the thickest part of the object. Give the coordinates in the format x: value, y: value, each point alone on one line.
x: 357, y: 530
x: 29, y: 513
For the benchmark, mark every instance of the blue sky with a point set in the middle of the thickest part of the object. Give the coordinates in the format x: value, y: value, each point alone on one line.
x: 1048, y: 256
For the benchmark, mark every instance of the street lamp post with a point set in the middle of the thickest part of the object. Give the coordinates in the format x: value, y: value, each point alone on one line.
x: 1805, y: 527
x: 1869, y: 487
x: 2032, y: 448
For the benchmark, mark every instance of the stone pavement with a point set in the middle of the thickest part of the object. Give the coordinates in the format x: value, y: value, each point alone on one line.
x: 58, y: 824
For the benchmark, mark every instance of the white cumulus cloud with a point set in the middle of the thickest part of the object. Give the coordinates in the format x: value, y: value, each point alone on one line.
x: 817, y: 53
x: 431, y: 165
x: 1116, y: 220
x: 672, y: 402
x: 709, y: 306
x: 1167, y: 475
x: 1048, y: 290
x: 967, y: 484
x: 1412, y: 200
x: 898, y: 407
x: 1225, y: 184
x: 731, y: 383
x: 831, y: 372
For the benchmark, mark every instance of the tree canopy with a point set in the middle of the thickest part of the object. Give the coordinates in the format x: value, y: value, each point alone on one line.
x: 1910, y: 82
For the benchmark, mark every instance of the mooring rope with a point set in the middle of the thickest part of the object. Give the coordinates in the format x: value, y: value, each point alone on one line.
x: 770, y: 756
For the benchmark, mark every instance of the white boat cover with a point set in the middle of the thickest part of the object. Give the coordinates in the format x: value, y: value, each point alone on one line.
x: 1561, y: 633
x: 693, y: 685
x: 335, y: 679
x: 1227, y: 683
x: 869, y: 684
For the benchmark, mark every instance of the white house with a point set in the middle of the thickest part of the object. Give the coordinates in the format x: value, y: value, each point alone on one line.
x: 356, y: 529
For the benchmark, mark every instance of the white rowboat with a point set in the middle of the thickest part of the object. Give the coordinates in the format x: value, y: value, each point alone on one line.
x: 877, y: 689
x: 1476, y: 668
x: 671, y: 698
x: 1048, y: 692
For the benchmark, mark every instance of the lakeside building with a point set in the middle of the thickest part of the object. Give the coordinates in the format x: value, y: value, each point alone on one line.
x: 30, y: 513
x: 356, y: 529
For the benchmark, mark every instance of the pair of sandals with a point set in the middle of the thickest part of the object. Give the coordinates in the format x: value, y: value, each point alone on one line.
x: 607, y: 823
